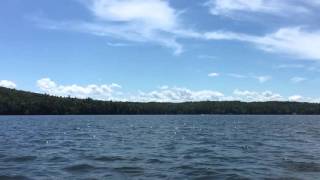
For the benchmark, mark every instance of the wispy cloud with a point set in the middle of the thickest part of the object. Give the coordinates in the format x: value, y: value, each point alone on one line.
x: 203, y: 56
x: 116, y: 44
x: 314, y: 67
x: 239, y: 76
x: 274, y: 7
x: 136, y: 20
x: 132, y: 20
x: 261, y: 79
x: 290, y: 66
x: 292, y: 41
x: 297, y: 79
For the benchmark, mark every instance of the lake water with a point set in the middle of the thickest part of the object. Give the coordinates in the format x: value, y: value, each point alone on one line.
x: 160, y: 147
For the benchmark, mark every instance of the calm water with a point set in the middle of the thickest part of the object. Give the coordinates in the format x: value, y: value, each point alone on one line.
x: 160, y: 147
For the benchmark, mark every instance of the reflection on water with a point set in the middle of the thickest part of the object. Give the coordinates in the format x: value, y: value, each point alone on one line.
x: 160, y: 147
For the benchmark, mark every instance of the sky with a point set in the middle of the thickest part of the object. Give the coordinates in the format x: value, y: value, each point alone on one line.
x: 162, y: 50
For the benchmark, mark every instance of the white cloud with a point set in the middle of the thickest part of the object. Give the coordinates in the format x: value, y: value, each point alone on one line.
x: 257, y: 96
x: 7, y: 84
x: 297, y: 79
x: 177, y: 94
x: 162, y: 94
x: 151, y: 14
x: 101, y: 92
x: 295, y: 98
x: 213, y: 74
x: 299, y: 98
x: 275, y: 7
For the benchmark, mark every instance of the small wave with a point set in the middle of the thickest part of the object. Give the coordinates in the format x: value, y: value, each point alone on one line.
x: 57, y: 159
x: 184, y: 167
x: 234, y: 176
x: 192, y: 171
x: 130, y: 170
x: 6, y: 177
x: 155, y: 161
x: 80, y: 168
x: 2, y: 156
x: 134, y: 159
x: 301, y: 166
x: 201, y: 173
x: 21, y: 158
x: 207, y: 177
x: 109, y: 158
x: 282, y: 178
x: 199, y: 150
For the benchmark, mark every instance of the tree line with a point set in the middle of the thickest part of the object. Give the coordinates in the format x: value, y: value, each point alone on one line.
x: 15, y: 102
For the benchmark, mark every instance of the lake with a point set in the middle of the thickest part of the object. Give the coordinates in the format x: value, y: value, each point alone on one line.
x: 160, y: 147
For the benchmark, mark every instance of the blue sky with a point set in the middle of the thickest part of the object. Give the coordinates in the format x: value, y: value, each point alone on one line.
x: 162, y: 50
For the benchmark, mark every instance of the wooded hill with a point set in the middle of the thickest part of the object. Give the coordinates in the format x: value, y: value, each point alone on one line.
x: 15, y: 102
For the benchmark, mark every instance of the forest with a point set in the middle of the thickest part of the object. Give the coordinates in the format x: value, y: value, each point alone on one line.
x: 16, y: 102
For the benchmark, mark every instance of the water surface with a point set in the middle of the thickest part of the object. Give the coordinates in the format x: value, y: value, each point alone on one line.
x: 160, y: 147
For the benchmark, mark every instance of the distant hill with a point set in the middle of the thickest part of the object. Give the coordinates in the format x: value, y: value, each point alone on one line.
x: 15, y: 102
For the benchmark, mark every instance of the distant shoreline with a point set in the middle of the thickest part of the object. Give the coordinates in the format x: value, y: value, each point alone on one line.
x: 8, y: 115
x: 16, y: 102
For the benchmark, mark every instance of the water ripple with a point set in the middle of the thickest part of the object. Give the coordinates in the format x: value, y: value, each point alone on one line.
x: 301, y: 166
x: 159, y: 147
x: 109, y: 158
x: 80, y: 168
x: 21, y: 159
x: 5, y: 177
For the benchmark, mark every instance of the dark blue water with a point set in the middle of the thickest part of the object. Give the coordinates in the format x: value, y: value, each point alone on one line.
x: 160, y: 147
